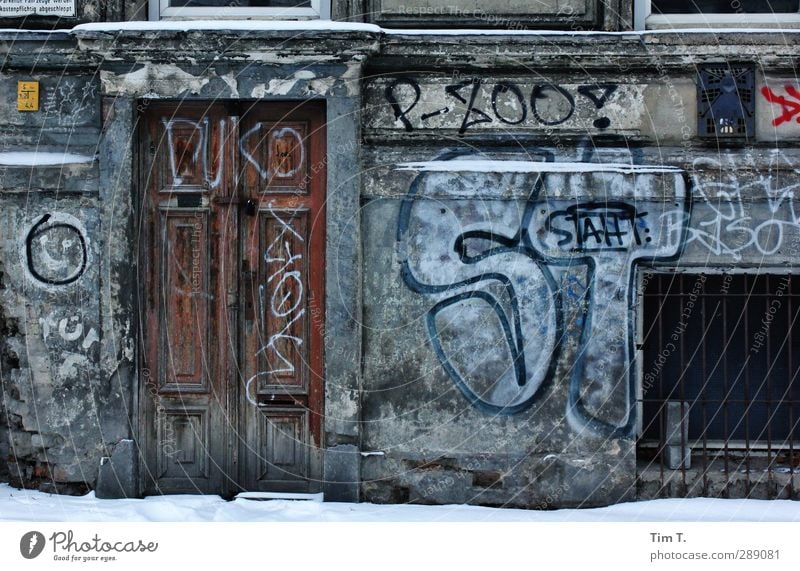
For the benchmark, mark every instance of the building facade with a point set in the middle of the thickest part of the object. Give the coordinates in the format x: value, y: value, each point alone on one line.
x: 533, y: 254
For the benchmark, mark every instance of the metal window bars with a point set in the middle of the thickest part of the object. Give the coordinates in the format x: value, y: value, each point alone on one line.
x: 719, y: 364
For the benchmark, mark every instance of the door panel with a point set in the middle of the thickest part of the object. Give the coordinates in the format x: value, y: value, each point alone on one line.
x: 282, y: 436
x: 184, y: 435
x: 282, y: 304
x: 283, y: 258
x: 232, y: 259
x: 184, y: 324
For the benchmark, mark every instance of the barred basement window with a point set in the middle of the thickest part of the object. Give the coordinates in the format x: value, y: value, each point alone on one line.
x: 719, y: 361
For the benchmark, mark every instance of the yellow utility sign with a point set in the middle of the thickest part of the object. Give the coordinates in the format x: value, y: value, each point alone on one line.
x: 27, y: 96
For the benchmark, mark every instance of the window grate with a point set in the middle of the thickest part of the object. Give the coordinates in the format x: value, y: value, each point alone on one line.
x: 722, y: 349
x: 726, y: 101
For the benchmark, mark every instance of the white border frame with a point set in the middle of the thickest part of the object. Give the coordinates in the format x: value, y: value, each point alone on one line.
x: 643, y: 19
x: 161, y: 10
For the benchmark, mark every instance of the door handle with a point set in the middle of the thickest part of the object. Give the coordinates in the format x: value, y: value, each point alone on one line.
x: 248, y: 277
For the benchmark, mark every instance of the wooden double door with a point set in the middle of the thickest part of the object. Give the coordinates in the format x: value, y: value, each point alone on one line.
x: 231, y: 277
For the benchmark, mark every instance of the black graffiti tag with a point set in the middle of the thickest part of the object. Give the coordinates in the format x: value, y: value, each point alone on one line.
x: 605, y: 91
x: 540, y: 93
x: 598, y: 226
x: 454, y: 90
x: 74, y: 256
x: 550, y: 104
x: 400, y: 113
x: 506, y: 87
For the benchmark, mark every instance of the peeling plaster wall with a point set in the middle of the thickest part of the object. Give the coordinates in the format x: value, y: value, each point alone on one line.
x: 63, y: 407
x: 497, y: 369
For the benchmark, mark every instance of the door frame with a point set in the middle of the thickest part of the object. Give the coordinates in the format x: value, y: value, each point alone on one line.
x: 141, y: 165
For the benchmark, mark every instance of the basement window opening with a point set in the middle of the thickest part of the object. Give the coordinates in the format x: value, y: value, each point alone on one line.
x: 719, y: 357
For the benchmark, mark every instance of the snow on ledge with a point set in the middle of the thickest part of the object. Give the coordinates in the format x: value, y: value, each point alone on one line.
x: 229, y: 25
x: 41, y: 159
x: 334, y: 26
x: 531, y: 167
x: 501, y: 32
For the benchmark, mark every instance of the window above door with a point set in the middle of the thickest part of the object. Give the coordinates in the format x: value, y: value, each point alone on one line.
x: 239, y: 9
x: 667, y: 14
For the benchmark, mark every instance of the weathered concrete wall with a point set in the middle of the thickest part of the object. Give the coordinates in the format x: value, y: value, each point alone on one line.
x: 497, y: 344
x: 64, y: 405
x: 469, y: 271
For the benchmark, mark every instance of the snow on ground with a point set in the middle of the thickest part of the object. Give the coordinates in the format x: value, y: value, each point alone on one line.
x: 25, y: 505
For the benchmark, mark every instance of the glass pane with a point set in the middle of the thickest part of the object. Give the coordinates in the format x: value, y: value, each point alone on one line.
x: 724, y: 6
x: 241, y: 3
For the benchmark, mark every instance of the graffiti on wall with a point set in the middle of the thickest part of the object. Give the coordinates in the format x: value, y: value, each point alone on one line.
x: 466, y: 104
x: 68, y: 329
x: 55, y: 250
x: 494, y: 268
x: 789, y: 104
x: 735, y: 216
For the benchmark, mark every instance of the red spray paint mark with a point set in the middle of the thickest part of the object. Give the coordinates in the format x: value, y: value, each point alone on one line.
x: 789, y: 108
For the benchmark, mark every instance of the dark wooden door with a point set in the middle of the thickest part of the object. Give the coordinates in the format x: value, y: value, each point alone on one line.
x: 232, y: 276
x: 283, y: 247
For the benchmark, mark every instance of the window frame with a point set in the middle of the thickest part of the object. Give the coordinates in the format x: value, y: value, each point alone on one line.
x: 643, y: 19
x: 161, y: 10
